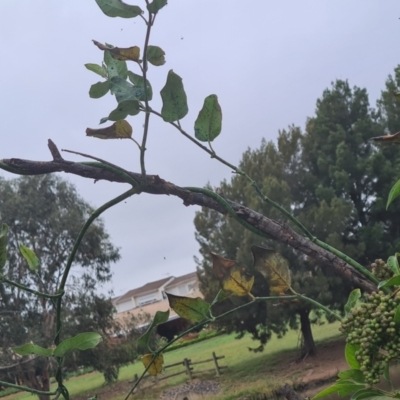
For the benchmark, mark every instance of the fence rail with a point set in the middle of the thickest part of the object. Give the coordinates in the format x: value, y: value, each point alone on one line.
x: 188, y: 370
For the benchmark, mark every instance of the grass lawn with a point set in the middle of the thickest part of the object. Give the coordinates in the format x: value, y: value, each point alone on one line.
x: 247, y: 371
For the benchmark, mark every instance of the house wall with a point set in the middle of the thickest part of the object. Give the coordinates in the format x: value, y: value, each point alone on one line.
x: 148, y: 308
x: 125, y: 306
x: 157, y: 301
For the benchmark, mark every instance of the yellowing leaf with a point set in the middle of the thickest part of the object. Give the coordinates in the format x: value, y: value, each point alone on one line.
x: 118, y: 130
x: 274, y: 267
x: 233, y: 278
x: 387, y: 139
x: 155, y: 55
x: 130, y: 53
x: 120, y: 53
x: 195, y: 310
x: 156, y: 366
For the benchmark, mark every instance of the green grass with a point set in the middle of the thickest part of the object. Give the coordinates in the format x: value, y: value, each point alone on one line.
x: 255, y: 369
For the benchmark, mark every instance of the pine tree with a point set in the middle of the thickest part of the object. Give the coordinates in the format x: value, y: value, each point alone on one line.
x: 335, y: 181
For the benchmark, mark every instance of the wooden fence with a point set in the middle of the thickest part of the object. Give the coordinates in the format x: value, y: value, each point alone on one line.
x: 188, y: 370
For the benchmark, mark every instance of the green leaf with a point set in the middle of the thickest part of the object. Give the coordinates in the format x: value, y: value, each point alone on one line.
x: 155, y: 55
x: 159, y: 318
x: 394, y: 281
x: 124, y: 91
x: 115, y: 67
x: 350, y: 354
x: 342, y: 389
x: 30, y: 257
x: 393, y: 264
x: 3, y: 246
x: 375, y: 394
x: 156, y: 5
x: 221, y: 295
x: 30, y: 348
x: 396, y: 317
x: 138, y: 81
x: 352, y: 300
x: 99, y: 89
x: 208, y: 124
x: 195, y: 310
x: 125, y: 108
x: 83, y: 341
x: 117, y: 8
x: 354, y: 374
x: 97, y: 69
x: 174, y: 98
x: 394, y: 192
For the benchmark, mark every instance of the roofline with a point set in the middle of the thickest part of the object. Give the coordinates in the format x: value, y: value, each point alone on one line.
x: 147, y: 291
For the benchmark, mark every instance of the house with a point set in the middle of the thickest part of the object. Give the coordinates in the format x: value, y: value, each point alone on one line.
x: 152, y: 297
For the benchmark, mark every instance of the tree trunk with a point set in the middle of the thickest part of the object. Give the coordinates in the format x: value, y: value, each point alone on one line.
x: 309, y: 348
x: 37, y: 378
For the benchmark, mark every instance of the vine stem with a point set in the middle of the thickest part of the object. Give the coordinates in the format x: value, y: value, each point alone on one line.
x: 124, y: 174
x: 27, y: 389
x: 231, y: 212
x: 196, y: 142
x: 159, y: 351
x: 27, y: 289
x: 216, y: 318
x: 71, y: 257
x: 285, y: 212
x: 146, y: 100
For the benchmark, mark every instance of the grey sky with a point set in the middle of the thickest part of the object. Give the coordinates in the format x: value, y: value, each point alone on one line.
x: 268, y: 62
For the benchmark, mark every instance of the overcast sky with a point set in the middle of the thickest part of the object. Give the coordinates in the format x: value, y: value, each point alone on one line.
x: 268, y: 62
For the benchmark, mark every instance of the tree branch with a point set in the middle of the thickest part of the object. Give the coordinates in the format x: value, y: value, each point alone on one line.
x: 157, y: 186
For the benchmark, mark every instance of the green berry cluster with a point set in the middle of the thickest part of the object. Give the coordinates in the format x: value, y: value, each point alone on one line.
x: 381, y: 270
x: 372, y: 327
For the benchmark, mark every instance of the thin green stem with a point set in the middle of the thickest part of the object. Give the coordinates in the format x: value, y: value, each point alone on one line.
x: 106, y: 165
x: 71, y: 257
x: 159, y: 351
x: 78, y: 241
x: 137, y: 143
x: 213, y: 319
x: 27, y: 289
x: 349, y: 260
x: 285, y: 212
x: 146, y: 100
x: 16, y: 171
x: 319, y: 305
x: 27, y: 389
x: 231, y: 212
x: 196, y: 142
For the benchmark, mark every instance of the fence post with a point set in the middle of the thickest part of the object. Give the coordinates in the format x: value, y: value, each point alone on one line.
x: 216, y: 364
x: 186, y: 363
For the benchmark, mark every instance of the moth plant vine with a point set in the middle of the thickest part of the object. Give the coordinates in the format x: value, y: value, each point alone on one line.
x: 371, y: 321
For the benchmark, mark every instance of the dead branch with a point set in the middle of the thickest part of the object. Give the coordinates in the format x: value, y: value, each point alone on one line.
x: 157, y: 186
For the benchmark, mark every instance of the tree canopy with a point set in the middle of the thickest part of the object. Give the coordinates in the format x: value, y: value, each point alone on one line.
x: 335, y: 182
x: 45, y: 214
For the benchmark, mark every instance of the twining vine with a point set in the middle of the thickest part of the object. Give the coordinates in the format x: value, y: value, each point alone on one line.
x: 134, y: 93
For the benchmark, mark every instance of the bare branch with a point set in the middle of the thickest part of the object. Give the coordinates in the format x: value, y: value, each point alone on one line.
x: 155, y: 185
